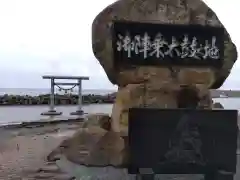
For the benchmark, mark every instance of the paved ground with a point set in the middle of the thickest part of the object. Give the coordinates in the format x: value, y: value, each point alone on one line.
x: 23, y: 153
x: 23, y: 157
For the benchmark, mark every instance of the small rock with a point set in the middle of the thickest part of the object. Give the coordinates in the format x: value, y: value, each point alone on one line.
x: 64, y: 177
x: 50, y: 168
x: 53, y: 156
x: 102, y: 120
x: 44, y: 175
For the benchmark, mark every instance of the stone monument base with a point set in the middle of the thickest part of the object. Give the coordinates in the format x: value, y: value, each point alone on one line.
x: 51, y: 113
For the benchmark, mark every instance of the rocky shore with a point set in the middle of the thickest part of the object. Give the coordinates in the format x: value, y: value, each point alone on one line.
x: 69, y: 99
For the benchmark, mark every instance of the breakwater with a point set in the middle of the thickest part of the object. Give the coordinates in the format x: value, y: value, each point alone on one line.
x: 72, y: 99
x: 66, y: 99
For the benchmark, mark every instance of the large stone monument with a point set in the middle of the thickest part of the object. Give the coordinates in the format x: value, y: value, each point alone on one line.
x: 132, y: 39
x: 160, y: 83
x: 122, y: 46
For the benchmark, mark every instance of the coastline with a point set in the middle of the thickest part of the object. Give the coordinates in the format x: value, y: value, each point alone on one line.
x: 40, y: 123
x: 17, y: 114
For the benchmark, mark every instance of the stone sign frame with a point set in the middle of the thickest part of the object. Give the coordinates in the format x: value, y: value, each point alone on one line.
x: 149, y: 44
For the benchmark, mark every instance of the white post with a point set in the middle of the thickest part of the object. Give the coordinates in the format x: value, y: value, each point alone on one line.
x: 79, y: 95
x: 51, y: 111
x: 52, y: 96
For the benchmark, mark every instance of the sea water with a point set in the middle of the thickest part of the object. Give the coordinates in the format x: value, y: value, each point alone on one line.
x: 16, y: 114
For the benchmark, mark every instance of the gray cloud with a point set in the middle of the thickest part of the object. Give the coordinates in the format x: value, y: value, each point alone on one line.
x: 54, y: 37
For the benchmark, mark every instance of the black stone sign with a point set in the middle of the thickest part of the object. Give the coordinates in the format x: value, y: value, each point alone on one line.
x: 182, y: 141
x: 164, y: 44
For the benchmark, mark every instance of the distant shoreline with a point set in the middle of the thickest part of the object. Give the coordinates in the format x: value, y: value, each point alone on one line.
x: 42, y: 91
x: 66, y: 99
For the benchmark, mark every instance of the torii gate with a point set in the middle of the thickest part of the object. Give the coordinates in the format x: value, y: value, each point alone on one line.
x: 52, y: 111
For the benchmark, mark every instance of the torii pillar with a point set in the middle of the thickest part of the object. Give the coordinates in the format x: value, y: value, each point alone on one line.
x: 79, y: 111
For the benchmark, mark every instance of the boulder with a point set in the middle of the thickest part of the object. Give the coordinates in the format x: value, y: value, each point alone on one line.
x: 93, y: 128
x: 108, y: 151
x: 162, y: 12
x: 92, y: 147
x: 152, y: 86
x: 77, y: 147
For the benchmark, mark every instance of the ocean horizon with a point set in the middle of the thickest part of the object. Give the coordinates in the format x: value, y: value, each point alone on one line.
x: 39, y: 91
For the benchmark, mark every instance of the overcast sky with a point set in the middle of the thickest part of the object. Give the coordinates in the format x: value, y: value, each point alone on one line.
x: 54, y: 37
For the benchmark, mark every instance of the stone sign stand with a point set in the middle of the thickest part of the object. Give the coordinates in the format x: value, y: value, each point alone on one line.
x: 52, y: 111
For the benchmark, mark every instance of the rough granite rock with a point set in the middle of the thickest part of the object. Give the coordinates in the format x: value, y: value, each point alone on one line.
x: 93, y: 144
x: 92, y: 147
x: 150, y: 95
x: 164, y: 11
x: 76, y: 148
x: 100, y: 119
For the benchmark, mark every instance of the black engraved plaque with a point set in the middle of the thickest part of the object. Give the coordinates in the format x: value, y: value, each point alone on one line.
x: 136, y: 43
x: 182, y: 141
